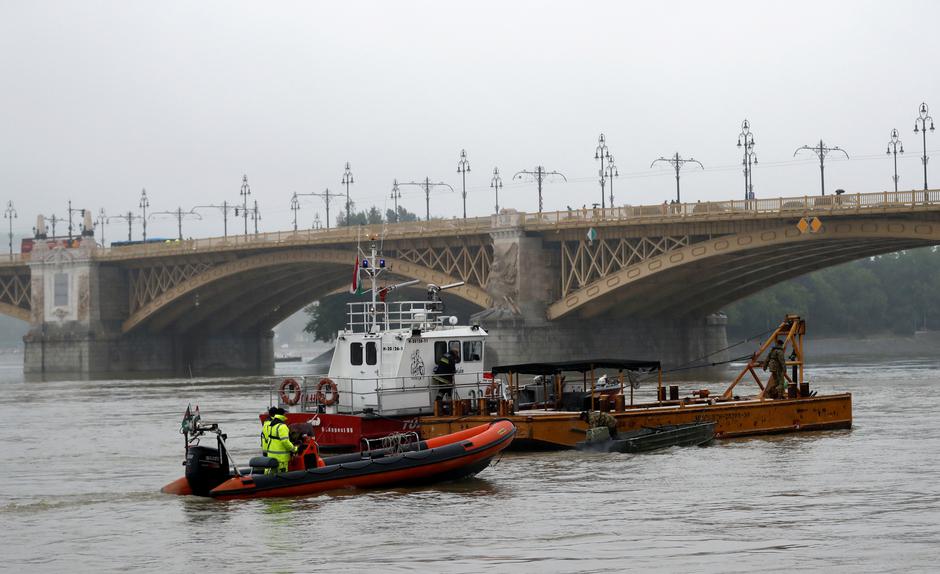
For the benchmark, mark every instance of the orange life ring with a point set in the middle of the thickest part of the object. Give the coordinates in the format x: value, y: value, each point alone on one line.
x: 490, y: 390
x: 324, y: 385
x: 294, y: 387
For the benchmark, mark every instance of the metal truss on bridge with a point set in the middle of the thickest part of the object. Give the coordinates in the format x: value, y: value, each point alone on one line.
x: 584, y: 261
x: 470, y: 263
x: 15, y: 295
x: 148, y: 283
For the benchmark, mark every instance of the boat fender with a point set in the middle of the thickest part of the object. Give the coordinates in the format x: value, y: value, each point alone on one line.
x: 290, y: 392
x: 325, y: 386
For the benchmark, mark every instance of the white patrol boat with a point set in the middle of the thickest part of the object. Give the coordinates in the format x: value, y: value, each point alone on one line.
x: 389, y: 366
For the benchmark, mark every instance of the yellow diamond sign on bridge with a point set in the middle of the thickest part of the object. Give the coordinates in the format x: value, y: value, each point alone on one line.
x: 815, y: 224
x: 802, y: 225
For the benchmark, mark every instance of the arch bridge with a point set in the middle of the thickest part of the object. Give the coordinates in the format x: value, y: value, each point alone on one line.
x: 212, y: 302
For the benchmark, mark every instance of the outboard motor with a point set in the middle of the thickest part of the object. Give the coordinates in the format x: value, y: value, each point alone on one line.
x: 205, y: 469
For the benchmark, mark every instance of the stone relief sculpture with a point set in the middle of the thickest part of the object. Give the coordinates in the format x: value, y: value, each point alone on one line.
x: 83, y: 297
x: 37, y: 311
x: 502, y: 283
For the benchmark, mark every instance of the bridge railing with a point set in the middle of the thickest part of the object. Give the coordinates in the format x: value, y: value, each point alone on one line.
x: 12, y: 259
x: 304, y: 237
x: 767, y: 207
x: 845, y: 203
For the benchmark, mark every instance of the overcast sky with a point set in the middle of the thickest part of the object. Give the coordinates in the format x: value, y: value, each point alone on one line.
x: 101, y: 99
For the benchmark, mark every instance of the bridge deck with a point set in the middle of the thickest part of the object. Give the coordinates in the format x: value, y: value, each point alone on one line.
x: 887, y: 202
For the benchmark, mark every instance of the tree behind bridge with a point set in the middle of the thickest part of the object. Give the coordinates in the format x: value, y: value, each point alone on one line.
x: 373, y: 216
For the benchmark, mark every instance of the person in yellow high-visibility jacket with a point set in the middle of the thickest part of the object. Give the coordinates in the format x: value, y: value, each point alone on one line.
x: 265, y: 427
x: 277, y: 438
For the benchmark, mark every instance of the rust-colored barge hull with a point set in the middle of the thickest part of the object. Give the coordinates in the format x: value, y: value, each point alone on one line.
x: 733, y: 418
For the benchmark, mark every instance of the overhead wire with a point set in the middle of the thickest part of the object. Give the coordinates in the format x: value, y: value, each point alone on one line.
x: 691, y: 364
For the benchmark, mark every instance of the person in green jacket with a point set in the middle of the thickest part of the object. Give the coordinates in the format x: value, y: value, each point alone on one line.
x: 776, y: 362
x: 265, y: 428
x: 275, y: 441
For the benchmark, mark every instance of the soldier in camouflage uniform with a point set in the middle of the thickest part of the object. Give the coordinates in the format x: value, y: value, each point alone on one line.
x: 597, y: 419
x: 776, y: 361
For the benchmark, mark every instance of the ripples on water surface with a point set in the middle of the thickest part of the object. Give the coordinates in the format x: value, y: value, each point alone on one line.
x: 84, y: 462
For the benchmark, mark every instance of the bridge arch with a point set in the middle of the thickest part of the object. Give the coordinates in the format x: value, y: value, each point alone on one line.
x: 706, y: 275
x: 15, y: 311
x: 265, y: 276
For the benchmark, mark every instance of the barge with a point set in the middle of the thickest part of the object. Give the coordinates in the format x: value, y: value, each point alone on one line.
x: 408, y: 367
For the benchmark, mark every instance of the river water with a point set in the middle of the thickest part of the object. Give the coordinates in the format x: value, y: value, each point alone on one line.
x: 84, y: 462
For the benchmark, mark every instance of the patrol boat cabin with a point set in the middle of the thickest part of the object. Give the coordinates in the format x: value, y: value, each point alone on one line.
x: 384, y: 360
x: 393, y: 362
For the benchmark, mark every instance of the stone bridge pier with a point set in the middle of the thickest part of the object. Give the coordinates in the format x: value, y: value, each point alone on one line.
x: 524, y: 282
x: 78, y: 307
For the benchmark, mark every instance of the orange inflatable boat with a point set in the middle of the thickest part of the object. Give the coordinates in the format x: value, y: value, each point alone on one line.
x: 449, y: 457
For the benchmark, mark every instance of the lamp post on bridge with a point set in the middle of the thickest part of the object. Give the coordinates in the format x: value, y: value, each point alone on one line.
x: 10, y: 214
x: 496, y: 183
x: 677, y: 162
x: 463, y: 167
x: 920, y: 124
x: 539, y: 175
x: 821, y: 150
x: 611, y: 174
x: 53, y: 219
x: 249, y: 212
x: 256, y: 216
x: 71, y: 211
x: 295, y: 207
x: 746, y: 141
x: 225, y: 207
x: 179, y: 214
x: 129, y: 217
x: 347, y: 181
x: 894, y: 147
x: 600, y: 153
x: 427, y: 185
x: 326, y: 195
x: 245, y: 191
x: 144, y: 204
x: 396, y: 195
x: 101, y: 221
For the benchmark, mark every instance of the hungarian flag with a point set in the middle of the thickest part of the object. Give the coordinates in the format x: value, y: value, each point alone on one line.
x: 354, y: 288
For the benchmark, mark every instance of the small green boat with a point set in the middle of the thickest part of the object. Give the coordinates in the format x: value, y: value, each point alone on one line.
x: 650, y: 438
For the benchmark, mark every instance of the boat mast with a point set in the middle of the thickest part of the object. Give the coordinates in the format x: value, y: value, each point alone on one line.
x: 374, y: 270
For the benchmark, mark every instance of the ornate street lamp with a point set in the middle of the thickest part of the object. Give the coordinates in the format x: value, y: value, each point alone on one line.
x: 463, y: 167
x: 895, y: 147
x: 920, y: 125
